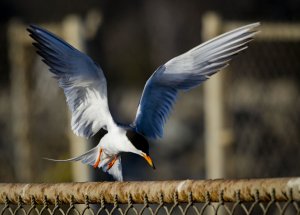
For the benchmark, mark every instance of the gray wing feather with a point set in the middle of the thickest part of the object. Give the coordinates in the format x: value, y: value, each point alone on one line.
x: 213, y: 54
x: 183, y: 73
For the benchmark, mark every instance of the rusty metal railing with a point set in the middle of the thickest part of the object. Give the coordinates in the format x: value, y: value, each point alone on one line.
x: 254, y: 196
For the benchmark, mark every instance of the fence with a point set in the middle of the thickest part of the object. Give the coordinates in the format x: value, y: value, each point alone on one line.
x: 257, y: 106
x: 255, y: 196
x: 250, y: 108
x: 31, y: 88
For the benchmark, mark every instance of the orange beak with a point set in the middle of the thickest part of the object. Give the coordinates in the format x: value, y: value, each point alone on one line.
x: 149, y: 160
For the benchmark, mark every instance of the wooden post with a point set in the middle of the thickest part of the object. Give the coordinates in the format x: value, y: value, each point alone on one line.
x: 72, y: 32
x: 19, y: 102
x: 213, y: 109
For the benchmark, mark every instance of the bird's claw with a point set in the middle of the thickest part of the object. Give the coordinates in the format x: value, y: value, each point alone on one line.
x: 112, y: 163
x: 96, y: 164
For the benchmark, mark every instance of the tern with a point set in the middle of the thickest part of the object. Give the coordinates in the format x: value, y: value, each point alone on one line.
x: 85, y: 88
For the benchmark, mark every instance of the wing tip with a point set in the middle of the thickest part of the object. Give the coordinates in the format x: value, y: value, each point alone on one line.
x: 33, y: 29
x: 253, y: 25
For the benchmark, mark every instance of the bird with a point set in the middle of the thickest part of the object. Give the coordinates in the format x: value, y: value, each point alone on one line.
x: 85, y: 88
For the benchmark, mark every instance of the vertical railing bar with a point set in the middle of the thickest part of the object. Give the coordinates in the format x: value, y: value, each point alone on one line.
x: 175, y: 202
x: 87, y: 206
x: 220, y: 203
x: 45, y: 205
x: 116, y: 205
x: 160, y: 205
x: 190, y: 203
x: 272, y: 195
x: 256, y: 202
x: 102, y: 206
x: 57, y: 207
x: 6, y: 206
x: 237, y: 202
x: 289, y: 200
x: 33, y: 206
x: 207, y: 202
x: 129, y: 204
x: 20, y: 206
x: 145, y: 205
x: 72, y: 206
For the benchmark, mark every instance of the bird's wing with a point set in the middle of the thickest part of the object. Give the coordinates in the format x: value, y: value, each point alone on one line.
x: 83, y: 82
x: 185, y: 72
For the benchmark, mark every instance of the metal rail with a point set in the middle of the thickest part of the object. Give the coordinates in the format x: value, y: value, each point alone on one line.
x: 263, y: 190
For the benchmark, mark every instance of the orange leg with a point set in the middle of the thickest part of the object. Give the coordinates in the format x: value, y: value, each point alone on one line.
x: 112, y: 162
x: 96, y: 164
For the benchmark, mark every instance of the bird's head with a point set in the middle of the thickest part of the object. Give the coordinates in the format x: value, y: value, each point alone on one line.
x: 141, y: 145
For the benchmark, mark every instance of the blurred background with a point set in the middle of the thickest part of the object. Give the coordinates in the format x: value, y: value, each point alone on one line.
x: 244, y: 122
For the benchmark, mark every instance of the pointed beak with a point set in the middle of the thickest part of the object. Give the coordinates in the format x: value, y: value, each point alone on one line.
x: 149, y: 160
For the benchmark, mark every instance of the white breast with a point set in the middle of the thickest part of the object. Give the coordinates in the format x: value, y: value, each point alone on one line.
x: 115, y: 141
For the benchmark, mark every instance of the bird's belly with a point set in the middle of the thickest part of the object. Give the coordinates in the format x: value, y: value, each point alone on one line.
x: 108, y: 154
x: 110, y: 151
x: 111, y: 154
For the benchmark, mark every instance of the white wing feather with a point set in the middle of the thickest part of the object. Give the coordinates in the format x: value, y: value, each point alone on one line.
x: 82, y: 80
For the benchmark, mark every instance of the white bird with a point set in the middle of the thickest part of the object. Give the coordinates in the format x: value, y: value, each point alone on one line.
x: 85, y: 88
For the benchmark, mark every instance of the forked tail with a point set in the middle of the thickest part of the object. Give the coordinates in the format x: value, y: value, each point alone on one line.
x: 90, y: 157
x: 86, y: 158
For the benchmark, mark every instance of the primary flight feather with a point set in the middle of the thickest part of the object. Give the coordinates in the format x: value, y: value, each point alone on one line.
x: 85, y: 88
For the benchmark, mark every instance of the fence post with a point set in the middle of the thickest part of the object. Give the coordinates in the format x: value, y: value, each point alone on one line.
x: 73, y: 33
x: 213, y: 108
x: 19, y: 102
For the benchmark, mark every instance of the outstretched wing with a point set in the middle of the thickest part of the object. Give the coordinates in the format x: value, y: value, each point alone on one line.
x: 185, y: 72
x: 81, y: 79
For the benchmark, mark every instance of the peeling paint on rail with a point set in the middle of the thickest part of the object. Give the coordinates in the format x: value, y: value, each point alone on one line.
x: 246, y: 190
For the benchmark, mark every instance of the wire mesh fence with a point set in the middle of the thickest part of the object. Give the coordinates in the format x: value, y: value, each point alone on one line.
x: 263, y: 196
x: 262, y: 98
